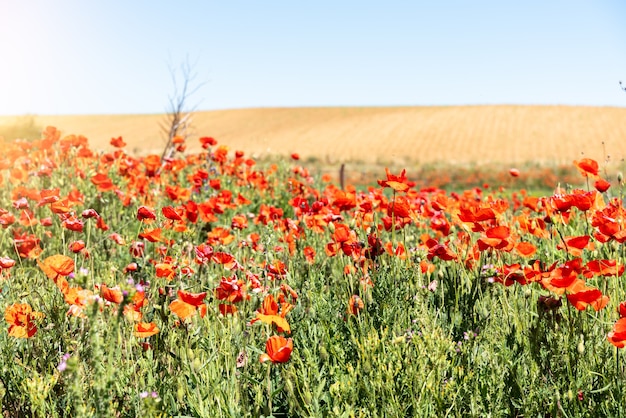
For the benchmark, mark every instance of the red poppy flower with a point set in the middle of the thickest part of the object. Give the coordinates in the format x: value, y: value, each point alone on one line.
x: 587, y: 167
x: 118, y: 142
x: 617, y: 336
x: 397, y: 183
x: 144, y: 212
x: 602, y: 185
x: 277, y: 349
x: 207, y: 142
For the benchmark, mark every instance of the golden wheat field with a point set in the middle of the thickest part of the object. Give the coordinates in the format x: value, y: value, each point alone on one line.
x: 380, y: 135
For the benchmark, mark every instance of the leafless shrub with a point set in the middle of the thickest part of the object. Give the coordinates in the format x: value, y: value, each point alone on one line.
x: 179, y: 112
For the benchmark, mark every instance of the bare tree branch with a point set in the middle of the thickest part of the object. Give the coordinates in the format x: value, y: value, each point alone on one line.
x: 179, y: 114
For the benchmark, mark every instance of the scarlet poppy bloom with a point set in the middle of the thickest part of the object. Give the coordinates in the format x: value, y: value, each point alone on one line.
x: 231, y: 290
x: 239, y: 222
x: 587, y: 167
x: 73, y: 224
x: 397, y: 183
x: 269, y: 314
x: 525, y: 249
x: 165, y: 270
x: 118, y: 142
x: 102, y: 182
x: 585, y: 296
x: 89, y: 213
x: 144, y: 212
x: 309, y: 254
x: 514, y: 172
x: 602, y: 185
x: 227, y: 260
x: 277, y: 349
x: 617, y: 336
x: 77, y: 246
x: 603, y: 268
x: 207, y: 142
x: 170, y: 213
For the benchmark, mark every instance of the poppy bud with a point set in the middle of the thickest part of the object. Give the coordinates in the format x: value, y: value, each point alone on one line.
x: 323, y: 354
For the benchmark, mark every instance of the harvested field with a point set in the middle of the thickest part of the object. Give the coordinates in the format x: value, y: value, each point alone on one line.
x: 381, y: 135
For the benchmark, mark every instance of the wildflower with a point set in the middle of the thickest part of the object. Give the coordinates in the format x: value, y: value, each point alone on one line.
x: 355, y: 305
x: 277, y: 349
x: 268, y: 313
x: 21, y: 317
x: 187, y: 304
x: 145, y: 330
x: 144, y: 212
x: 118, y: 142
x: 587, y: 167
x: 63, y: 363
x: 602, y: 185
x: 397, y: 183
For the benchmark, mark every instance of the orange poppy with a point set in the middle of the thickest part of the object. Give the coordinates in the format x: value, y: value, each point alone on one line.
x: 277, y: 349
x: 227, y: 309
x: 55, y: 268
x: 587, y: 167
x: 145, y: 330
x: 268, y: 314
x: 617, y: 336
x: 102, y: 182
x: 152, y: 235
x: 355, y: 305
x: 397, y: 183
x: 187, y: 304
x: 21, y: 317
x: 112, y: 294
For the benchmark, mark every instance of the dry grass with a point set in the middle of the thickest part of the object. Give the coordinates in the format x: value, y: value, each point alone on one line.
x: 382, y: 135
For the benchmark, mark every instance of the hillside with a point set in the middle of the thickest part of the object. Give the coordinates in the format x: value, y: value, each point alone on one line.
x: 402, y: 135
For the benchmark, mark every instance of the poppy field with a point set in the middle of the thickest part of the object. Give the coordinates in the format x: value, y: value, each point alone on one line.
x: 207, y: 284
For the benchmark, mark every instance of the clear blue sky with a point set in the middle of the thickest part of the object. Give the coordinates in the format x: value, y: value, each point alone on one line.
x: 80, y: 57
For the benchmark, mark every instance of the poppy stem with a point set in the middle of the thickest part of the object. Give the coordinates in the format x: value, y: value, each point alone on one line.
x: 269, y: 390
